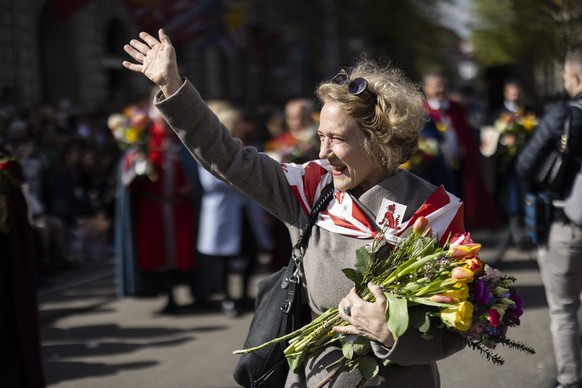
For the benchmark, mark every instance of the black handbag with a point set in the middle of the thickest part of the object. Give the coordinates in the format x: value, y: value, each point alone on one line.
x: 278, y: 311
x: 551, y: 173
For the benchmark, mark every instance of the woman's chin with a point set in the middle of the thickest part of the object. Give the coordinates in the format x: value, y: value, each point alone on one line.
x: 341, y: 183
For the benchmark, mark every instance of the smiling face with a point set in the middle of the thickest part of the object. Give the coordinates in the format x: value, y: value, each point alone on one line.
x: 342, y: 145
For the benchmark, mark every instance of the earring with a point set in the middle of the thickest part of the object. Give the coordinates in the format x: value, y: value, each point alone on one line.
x: 384, y: 161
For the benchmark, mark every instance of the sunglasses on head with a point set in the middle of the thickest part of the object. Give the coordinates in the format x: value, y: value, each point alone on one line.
x: 357, y: 86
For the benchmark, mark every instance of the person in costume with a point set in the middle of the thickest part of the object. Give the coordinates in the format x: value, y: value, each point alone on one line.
x: 370, y: 123
x: 460, y: 150
x: 430, y: 162
x: 157, y: 205
x: 20, y: 355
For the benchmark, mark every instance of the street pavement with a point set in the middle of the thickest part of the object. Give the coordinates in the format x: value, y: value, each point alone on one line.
x: 91, y: 339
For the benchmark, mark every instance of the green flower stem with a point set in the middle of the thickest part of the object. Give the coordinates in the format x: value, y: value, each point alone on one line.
x: 410, y: 266
x: 436, y: 287
x: 262, y: 346
x: 295, y: 336
x: 315, y: 334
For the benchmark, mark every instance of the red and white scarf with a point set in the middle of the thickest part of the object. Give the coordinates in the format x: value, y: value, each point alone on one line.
x: 443, y: 210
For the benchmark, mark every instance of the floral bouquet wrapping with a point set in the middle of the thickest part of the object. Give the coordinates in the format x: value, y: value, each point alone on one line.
x: 426, y: 285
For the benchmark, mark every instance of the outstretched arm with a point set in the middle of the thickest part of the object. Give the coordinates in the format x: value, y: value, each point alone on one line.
x: 156, y: 59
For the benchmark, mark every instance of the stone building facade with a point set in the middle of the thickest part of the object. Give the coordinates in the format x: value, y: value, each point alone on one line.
x: 47, y: 59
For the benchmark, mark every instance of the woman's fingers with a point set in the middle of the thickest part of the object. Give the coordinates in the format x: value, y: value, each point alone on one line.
x: 140, y: 48
x: 378, y: 293
x: 150, y: 40
x: 132, y: 66
x: 135, y: 55
x: 347, y: 330
x: 365, y: 319
x: 346, y: 304
x: 165, y: 39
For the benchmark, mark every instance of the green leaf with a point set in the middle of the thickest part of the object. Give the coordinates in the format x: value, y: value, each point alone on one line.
x: 368, y: 367
x: 295, y: 360
x: 397, y: 315
x: 420, y: 319
x: 363, y: 261
x: 348, y: 350
x: 362, y: 346
x: 354, y: 276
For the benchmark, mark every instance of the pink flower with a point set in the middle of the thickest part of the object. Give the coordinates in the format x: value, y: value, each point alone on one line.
x: 477, y: 328
x: 493, y: 275
x: 494, y: 317
x: 461, y: 239
x: 441, y: 298
x: 462, y: 274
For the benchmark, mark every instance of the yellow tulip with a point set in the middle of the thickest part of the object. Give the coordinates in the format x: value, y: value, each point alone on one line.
x: 459, y: 292
x: 459, y: 316
x: 462, y: 251
x: 474, y: 264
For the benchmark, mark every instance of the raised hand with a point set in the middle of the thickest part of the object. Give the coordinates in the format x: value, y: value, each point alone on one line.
x: 156, y: 59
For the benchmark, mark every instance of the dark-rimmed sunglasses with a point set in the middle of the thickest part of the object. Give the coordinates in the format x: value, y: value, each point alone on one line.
x: 357, y: 86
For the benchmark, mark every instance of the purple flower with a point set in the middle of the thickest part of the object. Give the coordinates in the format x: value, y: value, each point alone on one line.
x: 517, y: 307
x: 515, y: 311
x: 481, y: 292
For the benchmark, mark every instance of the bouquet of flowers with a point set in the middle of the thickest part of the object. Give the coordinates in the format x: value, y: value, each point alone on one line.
x: 131, y: 130
x: 427, y: 151
x: 130, y: 127
x: 426, y: 285
x: 515, y: 129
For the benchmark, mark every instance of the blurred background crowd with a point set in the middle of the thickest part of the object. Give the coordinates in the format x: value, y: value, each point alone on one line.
x: 95, y: 162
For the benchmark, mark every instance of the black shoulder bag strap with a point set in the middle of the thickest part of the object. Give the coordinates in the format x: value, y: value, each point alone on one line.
x: 577, y: 104
x: 291, y: 282
x: 563, y: 145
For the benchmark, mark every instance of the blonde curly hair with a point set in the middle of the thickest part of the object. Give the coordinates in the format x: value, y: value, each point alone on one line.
x: 392, y: 114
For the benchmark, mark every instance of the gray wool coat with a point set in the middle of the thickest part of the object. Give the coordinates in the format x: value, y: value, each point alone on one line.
x: 413, y: 359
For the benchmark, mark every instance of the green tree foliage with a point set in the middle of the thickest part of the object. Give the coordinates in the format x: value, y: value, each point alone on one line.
x: 530, y: 35
x: 407, y: 32
x: 510, y: 31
